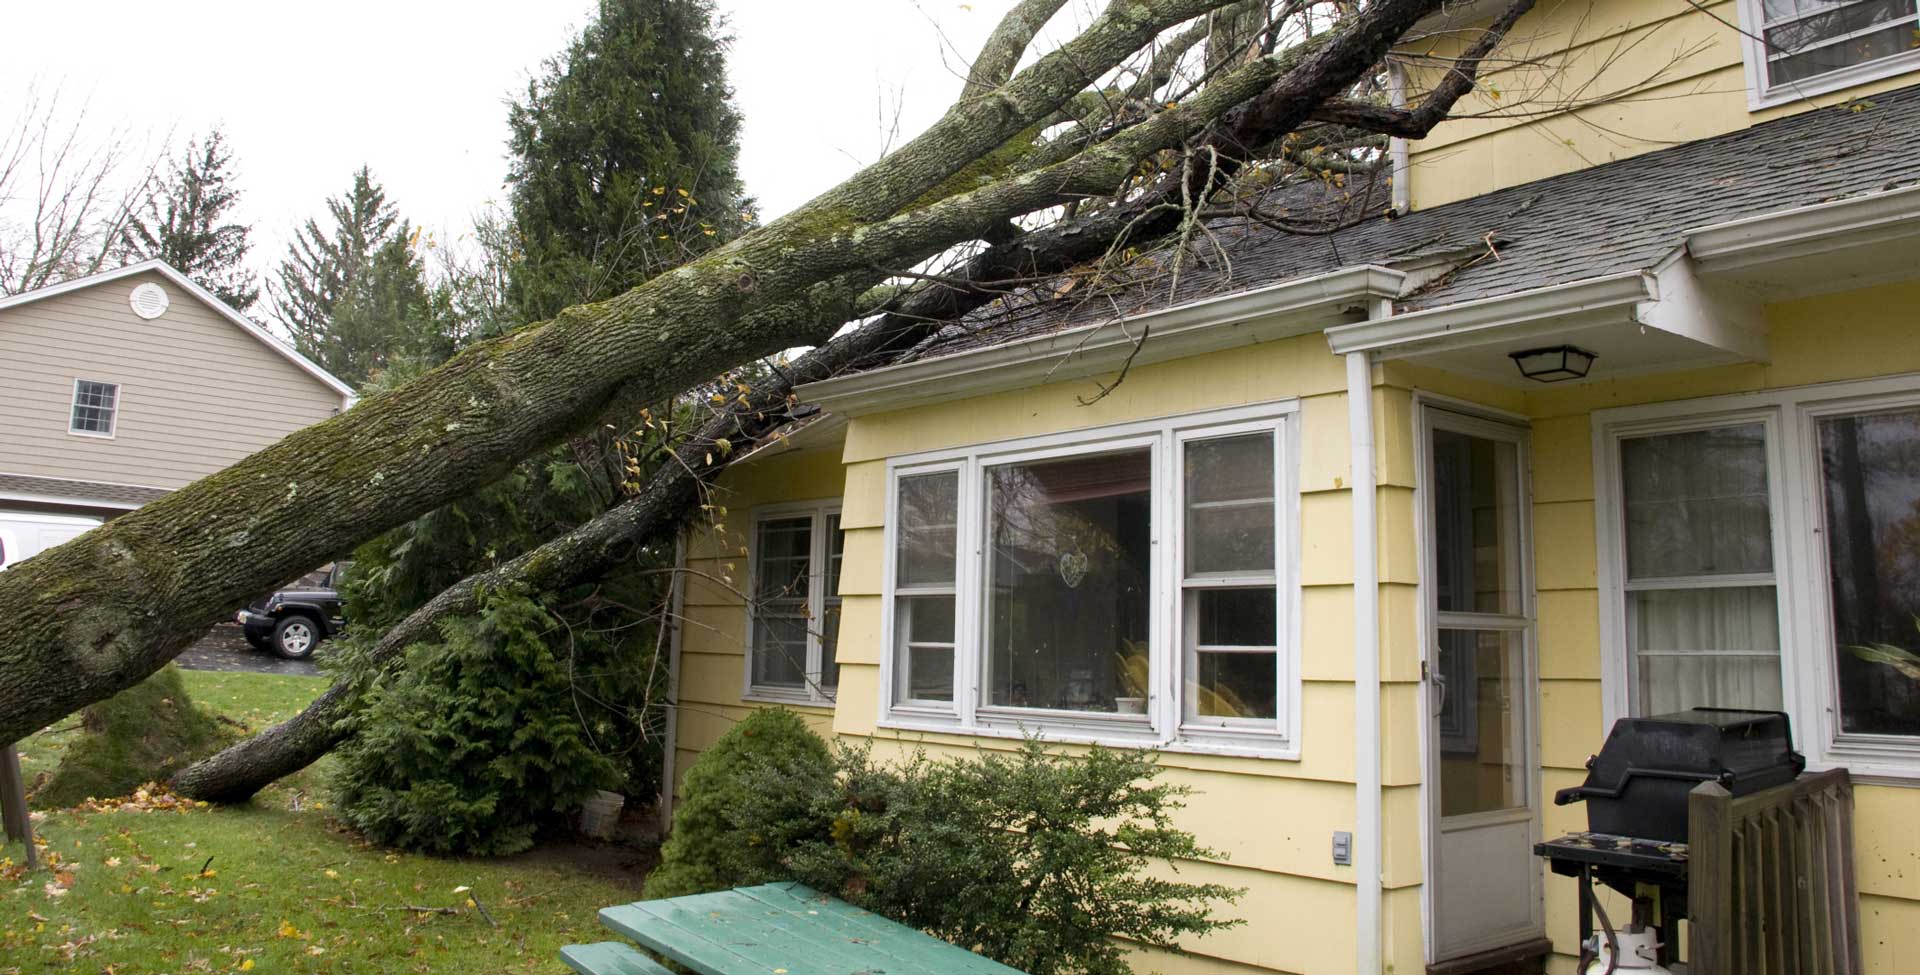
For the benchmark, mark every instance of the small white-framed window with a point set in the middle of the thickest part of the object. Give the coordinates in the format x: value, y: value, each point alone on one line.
x: 1130, y: 584
x: 1763, y: 550
x: 1797, y: 48
x: 793, y: 602
x: 96, y: 407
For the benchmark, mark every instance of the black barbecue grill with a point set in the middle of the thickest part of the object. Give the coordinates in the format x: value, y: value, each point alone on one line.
x: 1636, y: 795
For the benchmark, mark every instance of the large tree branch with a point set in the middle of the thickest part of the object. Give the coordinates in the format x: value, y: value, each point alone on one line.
x: 1417, y: 123
x: 1009, y: 40
x: 96, y: 615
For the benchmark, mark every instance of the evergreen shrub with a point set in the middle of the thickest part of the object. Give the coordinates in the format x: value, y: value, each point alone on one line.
x: 475, y: 742
x: 1050, y: 863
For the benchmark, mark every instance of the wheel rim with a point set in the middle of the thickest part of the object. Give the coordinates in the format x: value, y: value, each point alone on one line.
x: 297, y: 639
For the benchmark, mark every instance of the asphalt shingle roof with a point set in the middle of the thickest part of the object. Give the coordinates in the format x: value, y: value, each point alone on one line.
x: 1615, y: 217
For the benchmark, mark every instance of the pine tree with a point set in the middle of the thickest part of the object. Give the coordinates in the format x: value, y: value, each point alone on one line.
x: 624, y: 155
x: 352, y: 295
x: 184, y: 224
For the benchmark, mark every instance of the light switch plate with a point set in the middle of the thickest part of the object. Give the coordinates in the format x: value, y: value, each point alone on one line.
x: 1342, y: 848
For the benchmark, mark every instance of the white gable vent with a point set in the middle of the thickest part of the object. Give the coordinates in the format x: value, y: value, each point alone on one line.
x: 149, y: 300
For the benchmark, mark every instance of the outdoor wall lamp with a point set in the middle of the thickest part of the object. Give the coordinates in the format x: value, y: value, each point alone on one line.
x: 1554, y: 364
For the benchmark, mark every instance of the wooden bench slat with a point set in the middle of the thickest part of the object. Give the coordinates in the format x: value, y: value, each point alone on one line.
x: 610, y: 958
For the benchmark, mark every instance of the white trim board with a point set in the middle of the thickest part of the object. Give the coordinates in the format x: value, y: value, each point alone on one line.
x: 245, y: 324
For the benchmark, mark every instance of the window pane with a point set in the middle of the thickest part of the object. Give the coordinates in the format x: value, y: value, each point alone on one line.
x: 829, y: 642
x: 1696, y: 503
x: 780, y: 652
x: 1236, y: 685
x: 1236, y: 617
x: 93, y: 405
x: 1836, y: 37
x: 923, y: 628
x: 1069, y: 552
x: 785, y: 548
x: 1482, y: 749
x: 929, y: 507
x: 1870, y: 470
x: 1476, y: 524
x: 830, y: 625
x: 1229, y: 497
x: 1705, y: 648
x: 930, y: 674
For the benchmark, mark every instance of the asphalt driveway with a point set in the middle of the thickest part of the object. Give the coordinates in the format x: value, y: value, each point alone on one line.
x: 223, y: 648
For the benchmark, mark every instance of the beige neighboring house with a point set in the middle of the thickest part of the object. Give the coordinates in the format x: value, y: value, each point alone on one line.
x: 119, y: 387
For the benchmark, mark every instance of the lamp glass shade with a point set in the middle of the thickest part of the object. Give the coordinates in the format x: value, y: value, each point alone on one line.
x: 1556, y: 364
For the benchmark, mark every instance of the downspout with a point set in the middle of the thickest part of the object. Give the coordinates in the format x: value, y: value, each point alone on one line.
x: 676, y: 600
x: 1367, y: 840
x: 1397, y: 154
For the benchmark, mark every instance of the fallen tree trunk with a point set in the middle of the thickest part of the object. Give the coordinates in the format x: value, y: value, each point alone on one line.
x: 96, y: 615
x: 672, y: 495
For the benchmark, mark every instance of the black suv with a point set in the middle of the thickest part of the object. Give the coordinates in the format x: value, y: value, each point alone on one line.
x: 294, y: 620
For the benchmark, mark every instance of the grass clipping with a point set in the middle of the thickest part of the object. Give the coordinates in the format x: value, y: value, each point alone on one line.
x: 142, y: 734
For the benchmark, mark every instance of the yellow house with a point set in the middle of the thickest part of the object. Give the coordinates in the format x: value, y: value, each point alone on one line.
x: 1375, y: 540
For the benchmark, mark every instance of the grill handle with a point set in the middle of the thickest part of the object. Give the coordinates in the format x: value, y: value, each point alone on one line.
x: 1577, y: 793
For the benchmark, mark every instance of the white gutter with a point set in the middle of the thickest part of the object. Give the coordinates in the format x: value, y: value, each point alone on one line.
x: 1367, y: 840
x: 1859, y: 221
x: 1296, y: 307
x: 1469, y: 323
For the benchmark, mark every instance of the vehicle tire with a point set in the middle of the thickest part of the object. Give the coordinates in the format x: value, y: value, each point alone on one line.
x: 259, y: 643
x: 296, y: 637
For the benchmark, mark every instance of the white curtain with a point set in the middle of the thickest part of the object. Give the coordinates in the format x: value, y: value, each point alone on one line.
x: 1705, y: 648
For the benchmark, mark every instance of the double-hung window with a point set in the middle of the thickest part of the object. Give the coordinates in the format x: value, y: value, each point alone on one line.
x: 1128, y: 584
x: 794, y: 602
x: 95, y: 408
x: 1802, y: 47
x: 1763, y: 551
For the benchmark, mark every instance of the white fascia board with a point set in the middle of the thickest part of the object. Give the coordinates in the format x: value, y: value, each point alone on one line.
x: 1708, y: 312
x: 1261, y: 315
x: 1803, y: 231
x: 157, y: 266
x: 1495, y: 319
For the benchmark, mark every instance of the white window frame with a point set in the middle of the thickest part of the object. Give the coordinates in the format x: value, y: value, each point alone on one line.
x: 818, y: 575
x: 1164, y: 725
x: 113, y: 418
x: 1797, y: 511
x: 1761, y: 94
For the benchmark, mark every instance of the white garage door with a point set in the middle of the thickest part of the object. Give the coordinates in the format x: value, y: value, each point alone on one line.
x: 25, y: 533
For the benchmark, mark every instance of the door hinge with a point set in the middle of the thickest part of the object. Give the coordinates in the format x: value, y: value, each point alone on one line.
x: 1425, y: 674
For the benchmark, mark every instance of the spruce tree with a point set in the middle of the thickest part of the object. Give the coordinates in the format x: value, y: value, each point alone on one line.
x: 623, y: 155
x: 352, y: 294
x: 185, y: 225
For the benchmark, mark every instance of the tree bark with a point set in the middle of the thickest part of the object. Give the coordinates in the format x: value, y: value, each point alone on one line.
x: 672, y: 495
x: 96, y: 615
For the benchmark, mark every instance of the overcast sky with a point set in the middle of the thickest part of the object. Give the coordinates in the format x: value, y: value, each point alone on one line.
x: 417, y: 89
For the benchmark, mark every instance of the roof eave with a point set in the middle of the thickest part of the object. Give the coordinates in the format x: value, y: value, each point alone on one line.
x: 1278, y: 311
x: 1802, y: 232
x: 1462, y: 323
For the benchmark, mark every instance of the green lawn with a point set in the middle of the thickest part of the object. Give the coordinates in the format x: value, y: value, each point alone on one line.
x: 286, y: 890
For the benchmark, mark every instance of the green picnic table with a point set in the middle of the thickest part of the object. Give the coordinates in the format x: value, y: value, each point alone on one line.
x: 773, y: 929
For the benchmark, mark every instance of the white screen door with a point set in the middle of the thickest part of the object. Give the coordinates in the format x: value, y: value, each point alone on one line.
x: 1478, y: 586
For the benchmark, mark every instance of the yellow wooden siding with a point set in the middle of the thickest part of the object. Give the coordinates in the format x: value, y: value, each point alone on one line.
x: 1580, y: 84
x: 1272, y: 820
x: 196, y: 392
x: 1852, y: 335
